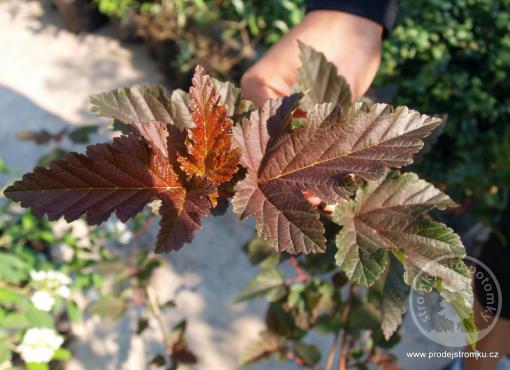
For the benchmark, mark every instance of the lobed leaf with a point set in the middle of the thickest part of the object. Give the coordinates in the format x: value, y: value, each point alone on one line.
x: 269, y: 283
x: 259, y: 349
x: 393, y: 305
x: 389, y: 215
x: 308, y: 353
x: 320, y: 81
x: 181, y: 216
x: 384, y: 216
x: 209, y: 143
x: 120, y: 177
x: 323, y: 157
x: 284, y: 218
x: 231, y: 97
x: 124, y: 176
x: 142, y: 103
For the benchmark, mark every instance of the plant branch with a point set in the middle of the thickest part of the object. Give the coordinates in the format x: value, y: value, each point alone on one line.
x: 302, y: 275
x: 365, y: 361
x: 151, y: 295
x: 292, y: 357
x: 332, y: 353
x: 342, y: 364
x: 146, y: 226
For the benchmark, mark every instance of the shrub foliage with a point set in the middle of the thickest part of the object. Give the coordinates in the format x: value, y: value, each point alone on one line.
x: 186, y: 151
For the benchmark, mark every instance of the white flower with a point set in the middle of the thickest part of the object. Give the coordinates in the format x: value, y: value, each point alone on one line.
x: 47, y: 285
x: 126, y: 237
x: 61, y: 278
x: 120, y: 231
x: 42, y: 300
x: 63, y: 291
x: 39, y: 344
x: 38, y: 275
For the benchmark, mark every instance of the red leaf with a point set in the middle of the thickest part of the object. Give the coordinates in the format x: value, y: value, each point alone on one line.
x: 120, y: 177
x: 209, y: 145
x: 320, y: 157
x: 181, y: 216
x: 124, y: 176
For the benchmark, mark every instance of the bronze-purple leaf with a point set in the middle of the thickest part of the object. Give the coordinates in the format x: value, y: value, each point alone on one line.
x: 122, y: 177
x: 322, y: 156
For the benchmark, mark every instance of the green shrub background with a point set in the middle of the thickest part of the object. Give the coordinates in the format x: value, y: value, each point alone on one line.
x: 454, y: 57
x: 443, y: 57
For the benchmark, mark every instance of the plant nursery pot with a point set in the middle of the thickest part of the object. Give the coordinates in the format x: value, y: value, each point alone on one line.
x: 80, y: 15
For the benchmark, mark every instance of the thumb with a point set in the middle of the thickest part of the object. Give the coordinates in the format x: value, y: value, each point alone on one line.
x: 257, y: 90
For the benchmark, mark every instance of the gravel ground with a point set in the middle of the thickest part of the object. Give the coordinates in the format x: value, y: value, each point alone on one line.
x: 46, y: 77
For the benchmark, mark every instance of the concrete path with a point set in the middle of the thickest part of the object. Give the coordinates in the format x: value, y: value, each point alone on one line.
x: 46, y: 77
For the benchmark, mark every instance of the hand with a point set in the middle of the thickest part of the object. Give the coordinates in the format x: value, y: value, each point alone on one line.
x: 352, y: 43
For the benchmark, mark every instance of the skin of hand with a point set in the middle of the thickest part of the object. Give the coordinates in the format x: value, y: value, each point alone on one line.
x: 351, y: 42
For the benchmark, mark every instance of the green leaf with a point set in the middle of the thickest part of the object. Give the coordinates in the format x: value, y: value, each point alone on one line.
x: 385, y: 216
x: 362, y: 266
x: 3, y: 167
x: 327, y: 324
x: 268, y: 283
x: 62, y: 354
x: 231, y: 96
x: 142, y: 103
x: 5, y: 353
x: 394, y: 296
x: 10, y: 297
x: 319, y: 80
x: 39, y: 319
x: 280, y: 321
x: 310, y: 354
x: 363, y: 315
x: 464, y: 311
x: 109, y: 307
x: 52, y: 155
x: 73, y: 312
x: 261, y: 253
x: 37, y: 366
x: 15, y: 320
x: 13, y: 269
x: 257, y: 350
x: 81, y: 135
x: 434, y: 258
x: 317, y: 264
x: 455, y: 287
x: 390, y: 214
x: 442, y: 267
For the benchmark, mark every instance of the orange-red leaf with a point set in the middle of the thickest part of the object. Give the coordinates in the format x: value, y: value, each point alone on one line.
x: 120, y: 177
x: 157, y: 160
x: 209, y: 143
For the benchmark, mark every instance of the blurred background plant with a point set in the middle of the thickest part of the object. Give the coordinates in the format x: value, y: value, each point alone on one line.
x: 53, y: 272
x: 443, y: 57
x: 224, y: 36
x: 454, y: 57
x: 309, y: 294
